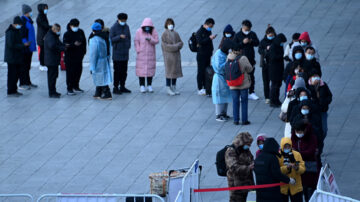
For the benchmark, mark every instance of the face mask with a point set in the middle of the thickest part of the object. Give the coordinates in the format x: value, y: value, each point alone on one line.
x: 45, y: 11
x: 18, y: 27
x: 299, y: 135
x: 30, y: 14
x: 281, y: 44
x: 122, y: 23
x: 298, y: 56
x: 261, y: 146
x: 147, y: 28
x: 58, y: 33
x: 245, y: 147
x: 170, y: 27
x: 302, y: 98
x: 228, y: 35
x: 303, y: 44
x: 270, y: 37
x: 208, y: 29
x: 75, y: 29
x: 286, y: 151
x: 313, y: 79
x: 305, y: 111
x: 246, y: 32
x: 309, y: 57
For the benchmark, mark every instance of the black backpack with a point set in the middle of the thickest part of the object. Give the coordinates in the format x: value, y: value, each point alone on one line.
x: 220, y: 161
x: 193, y: 45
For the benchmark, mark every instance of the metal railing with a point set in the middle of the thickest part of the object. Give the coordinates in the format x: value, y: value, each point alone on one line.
x: 99, y: 197
x: 16, y: 197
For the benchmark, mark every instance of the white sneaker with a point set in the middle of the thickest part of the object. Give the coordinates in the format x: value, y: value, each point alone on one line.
x: 43, y: 68
x: 267, y: 101
x: 175, y: 91
x: 170, y: 91
x: 150, y: 89
x: 202, y: 92
x: 142, y: 89
x: 253, y: 96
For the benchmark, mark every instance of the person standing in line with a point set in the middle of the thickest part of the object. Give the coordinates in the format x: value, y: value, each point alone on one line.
x: 248, y: 39
x: 42, y: 28
x: 145, y: 40
x: 260, y: 139
x: 171, y: 45
x: 228, y: 33
x: 53, y: 47
x: 204, y: 38
x: 75, y: 42
x: 100, y: 62
x: 28, y: 35
x: 121, y: 42
x: 295, y: 42
x: 14, y: 54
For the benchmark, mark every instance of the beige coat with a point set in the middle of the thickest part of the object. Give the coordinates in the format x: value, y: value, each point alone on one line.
x: 245, y: 68
x: 171, y: 45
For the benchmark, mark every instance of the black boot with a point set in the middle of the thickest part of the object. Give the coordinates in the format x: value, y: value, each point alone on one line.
x: 106, y: 94
x: 117, y: 91
x: 98, y: 92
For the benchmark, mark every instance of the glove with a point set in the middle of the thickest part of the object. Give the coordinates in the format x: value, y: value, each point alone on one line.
x: 292, y: 181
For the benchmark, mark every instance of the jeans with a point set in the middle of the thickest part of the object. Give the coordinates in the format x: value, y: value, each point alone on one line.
x: 142, y: 81
x: 221, y: 109
x: 170, y: 82
x: 203, y: 61
x: 236, y: 94
x: 120, y: 73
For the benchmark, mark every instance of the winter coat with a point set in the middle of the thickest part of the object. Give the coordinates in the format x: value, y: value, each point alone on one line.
x: 307, y: 147
x: 259, y: 137
x: 99, y: 61
x: 146, y: 56
x: 245, y: 68
x: 52, y: 49
x: 28, y: 33
x: 14, y: 47
x: 291, y: 173
x: 264, y: 52
x: 305, y: 36
x: 73, y: 52
x: 248, y: 49
x: 311, y: 65
x: 238, y: 163
x: 276, y: 61
x: 321, y: 95
x: 220, y: 90
x: 205, y: 44
x: 42, y: 25
x: 171, y: 45
x: 120, y: 46
x: 289, y: 70
x: 267, y: 171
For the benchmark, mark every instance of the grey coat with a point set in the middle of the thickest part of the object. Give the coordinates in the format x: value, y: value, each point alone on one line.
x: 171, y: 45
x: 120, y: 46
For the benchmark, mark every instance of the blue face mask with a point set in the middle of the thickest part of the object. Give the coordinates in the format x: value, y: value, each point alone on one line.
x: 245, y: 147
x: 122, y: 23
x: 58, y: 33
x: 261, y: 146
x: 302, y: 98
x: 281, y: 44
x: 270, y: 37
x: 309, y: 57
x: 209, y: 29
x: 305, y: 111
x: 45, y: 11
x: 298, y: 56
x: 18, y: 27
x: 303, y: 44
x: 286, y: 151
x: 30, y: 14
x: 75, y: 29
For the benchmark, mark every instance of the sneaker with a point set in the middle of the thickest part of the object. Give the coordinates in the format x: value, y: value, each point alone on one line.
x: 170, y: 91
x: 245, y: 123
x: 220, y: 118
x: 175, y: 90
x: 43, y: 68
x: 78, y: 90
x: 17, y: 94
x: 202, y: 92
x: 150, y: 89
x: 267, y: 101
x: 117, y: 91
x: 253, y: 96
x: 226, y: 116
x: 125, y: 90
x: 71, y: 93
x: 143, y: 89
x: 236, y: 123
x: 24, y: 87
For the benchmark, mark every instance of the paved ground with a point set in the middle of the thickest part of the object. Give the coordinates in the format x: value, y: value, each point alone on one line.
x: 78, y: 144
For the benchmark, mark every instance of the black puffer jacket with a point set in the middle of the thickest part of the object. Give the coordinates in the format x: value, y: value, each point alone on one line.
x: 53, y: 48
x: 321, y: 95
x: 311, y: 65
x: 247, y: 49
x: 205, y: 44
x: 14, y: 47
x: 267, y: 171
x: 73, y: 52
x: 42, y: 25
x: 276, y: 61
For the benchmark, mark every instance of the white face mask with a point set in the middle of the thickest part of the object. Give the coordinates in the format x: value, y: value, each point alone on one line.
x: 227, y: 35
x: 246, y: 32
x: 170, y: 27
x: 299, y: 135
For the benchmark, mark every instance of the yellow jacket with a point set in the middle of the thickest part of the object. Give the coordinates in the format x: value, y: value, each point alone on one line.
x: 294, y: 189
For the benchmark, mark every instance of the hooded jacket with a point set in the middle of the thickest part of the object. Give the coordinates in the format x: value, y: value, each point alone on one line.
x: 42, y: 24
x: 267, y: 171
x: 292, y: 173
x: 259, y: 137
x: 146, y: 55
x: 238, y: 163
x: 73, y: 52
x: 248, y: 49
x: 276, y: 61
x: 14, y: 47
x: 289, y: 70
x: 228, y: 29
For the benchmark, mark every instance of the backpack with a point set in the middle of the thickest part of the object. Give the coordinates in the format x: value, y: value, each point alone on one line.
x: 193, y: 45
x: 220, y: 161
x: 233, y: 74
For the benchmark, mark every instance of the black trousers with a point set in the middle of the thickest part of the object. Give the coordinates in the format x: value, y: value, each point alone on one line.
x: 275, y: 91
x: 42, y: 55
x: 120, y: 73
x: 25, y: 70
x: 295, y: 198
x: 266, y: 81
x: 73, y: 74
x: 13, y: 77
x: 142, y: 81
x: 52, y: 74
x: 170, y: 82
x: 203, y: 61
x: 252, y: 85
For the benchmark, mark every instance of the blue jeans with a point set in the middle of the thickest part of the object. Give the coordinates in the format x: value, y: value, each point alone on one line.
x: 236, y: 94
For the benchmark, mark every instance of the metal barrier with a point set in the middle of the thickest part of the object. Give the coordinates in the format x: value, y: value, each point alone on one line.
x: 100, y: 198
x: 322, y: 196
x: 189, y: 183
x: 16, y: 197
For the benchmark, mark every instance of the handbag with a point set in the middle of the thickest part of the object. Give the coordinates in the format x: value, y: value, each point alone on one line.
x: 311, y: 166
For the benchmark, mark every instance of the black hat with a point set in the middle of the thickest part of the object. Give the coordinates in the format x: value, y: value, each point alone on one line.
x: 18, y: 21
